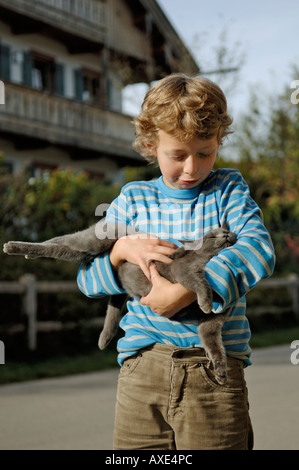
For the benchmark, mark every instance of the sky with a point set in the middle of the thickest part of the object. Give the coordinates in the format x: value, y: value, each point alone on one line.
x: 264, y: 32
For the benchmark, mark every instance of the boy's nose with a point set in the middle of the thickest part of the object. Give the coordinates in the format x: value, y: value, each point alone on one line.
x: 190, y: 166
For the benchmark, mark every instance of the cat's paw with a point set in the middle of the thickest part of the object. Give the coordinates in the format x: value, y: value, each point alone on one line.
x: 220, y: 372
x: 11, y: 248
x: 19, y: 248
x: 205, y: 305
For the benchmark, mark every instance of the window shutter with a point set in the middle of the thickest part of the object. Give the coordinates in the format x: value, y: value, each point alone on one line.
x: 27, y: 69
x: 4, y: 62
x: 109, y: 93
x: 59, y: 79
x: 79, y: 85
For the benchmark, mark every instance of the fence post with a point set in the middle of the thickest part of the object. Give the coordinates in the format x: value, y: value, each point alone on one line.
x: 30, y: 307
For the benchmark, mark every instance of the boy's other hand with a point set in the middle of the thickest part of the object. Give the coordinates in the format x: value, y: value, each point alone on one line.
x: 141, y: 250
x: 166, y: 299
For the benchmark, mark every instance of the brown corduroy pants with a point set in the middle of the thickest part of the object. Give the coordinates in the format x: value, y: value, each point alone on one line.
x: 168, y: 398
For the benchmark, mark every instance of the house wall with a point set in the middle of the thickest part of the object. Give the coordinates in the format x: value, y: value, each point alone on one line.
x: 123, y: 35
x: 19, y: 44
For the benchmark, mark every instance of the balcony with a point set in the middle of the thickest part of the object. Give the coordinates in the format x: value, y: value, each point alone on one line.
x: 67, y: 18
x: 37, y: 117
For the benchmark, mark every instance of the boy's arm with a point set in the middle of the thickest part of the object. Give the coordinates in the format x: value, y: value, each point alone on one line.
x: 97, y: 279
x: 236, y: 270
x: 166, y: 299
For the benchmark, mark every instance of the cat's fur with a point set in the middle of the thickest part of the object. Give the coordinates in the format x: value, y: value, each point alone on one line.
x: 187, y: 268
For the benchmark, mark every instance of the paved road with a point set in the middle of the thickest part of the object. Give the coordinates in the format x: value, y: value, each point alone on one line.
x: 273, y: 384
x: 77, y: 412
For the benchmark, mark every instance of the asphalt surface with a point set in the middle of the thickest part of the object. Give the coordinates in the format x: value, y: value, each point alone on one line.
x: 77, y: 412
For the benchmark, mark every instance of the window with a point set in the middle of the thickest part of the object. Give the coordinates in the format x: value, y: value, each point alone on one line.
x: 6, y: 168
x: 88, y: 86
x: 38, y: 169
x: 42, y: 72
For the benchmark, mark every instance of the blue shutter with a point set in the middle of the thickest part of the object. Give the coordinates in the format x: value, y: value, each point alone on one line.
x: 4, y: 62
x: 59, y: 79
x: 27, y: 69
x: 79, y: 85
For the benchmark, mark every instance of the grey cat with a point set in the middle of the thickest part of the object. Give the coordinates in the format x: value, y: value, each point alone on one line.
x: 187, y: 268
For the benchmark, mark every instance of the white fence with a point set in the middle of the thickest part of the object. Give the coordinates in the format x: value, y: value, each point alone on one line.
x: 29, y: 287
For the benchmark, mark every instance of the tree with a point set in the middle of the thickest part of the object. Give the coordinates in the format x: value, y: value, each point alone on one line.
x: 267, y: 145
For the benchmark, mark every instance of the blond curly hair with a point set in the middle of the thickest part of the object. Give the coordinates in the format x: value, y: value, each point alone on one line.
x: 184, y: 107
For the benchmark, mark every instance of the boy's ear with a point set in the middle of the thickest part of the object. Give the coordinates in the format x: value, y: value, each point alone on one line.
x: 151, y: 148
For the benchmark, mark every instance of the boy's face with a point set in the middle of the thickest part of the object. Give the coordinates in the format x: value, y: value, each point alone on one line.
x: 185, y: 164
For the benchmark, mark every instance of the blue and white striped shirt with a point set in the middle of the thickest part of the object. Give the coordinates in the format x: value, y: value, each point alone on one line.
x: 188, y: 214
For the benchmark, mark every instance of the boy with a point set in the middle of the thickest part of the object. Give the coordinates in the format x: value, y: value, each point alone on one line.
x: 167, y: 396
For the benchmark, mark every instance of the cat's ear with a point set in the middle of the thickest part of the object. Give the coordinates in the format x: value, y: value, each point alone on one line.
x: 224, y: 225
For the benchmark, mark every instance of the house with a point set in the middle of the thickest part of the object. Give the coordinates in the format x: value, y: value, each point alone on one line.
x: 63, y: 67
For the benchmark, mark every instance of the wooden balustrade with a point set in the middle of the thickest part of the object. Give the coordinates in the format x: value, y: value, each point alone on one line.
x: 59, y: 120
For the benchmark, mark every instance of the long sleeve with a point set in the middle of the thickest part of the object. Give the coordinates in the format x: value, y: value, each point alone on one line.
x: 96, y: 279
x: 236, y: 270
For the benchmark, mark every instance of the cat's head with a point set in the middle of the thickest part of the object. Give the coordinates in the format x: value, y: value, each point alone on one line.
x: 218, y: 239
x: 213, y: 241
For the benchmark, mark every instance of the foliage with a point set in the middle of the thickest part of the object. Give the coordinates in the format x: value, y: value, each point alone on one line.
x: 36, y: 209
x: 57, y: 202
x: 266, y: 143
x: 30, y: 368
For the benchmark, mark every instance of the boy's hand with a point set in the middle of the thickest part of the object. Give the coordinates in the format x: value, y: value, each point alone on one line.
x: 166, y: 299
x: 141, y: 250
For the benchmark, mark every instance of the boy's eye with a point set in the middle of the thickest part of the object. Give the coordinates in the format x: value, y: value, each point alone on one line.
x: 203, y: 155
x: 178, y: 158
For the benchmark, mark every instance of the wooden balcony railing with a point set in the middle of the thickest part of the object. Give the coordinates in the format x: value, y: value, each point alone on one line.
x: 40, y: 115
x: 79, y: 16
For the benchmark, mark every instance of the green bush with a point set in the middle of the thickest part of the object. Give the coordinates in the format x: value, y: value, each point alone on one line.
x: 36, y: 209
